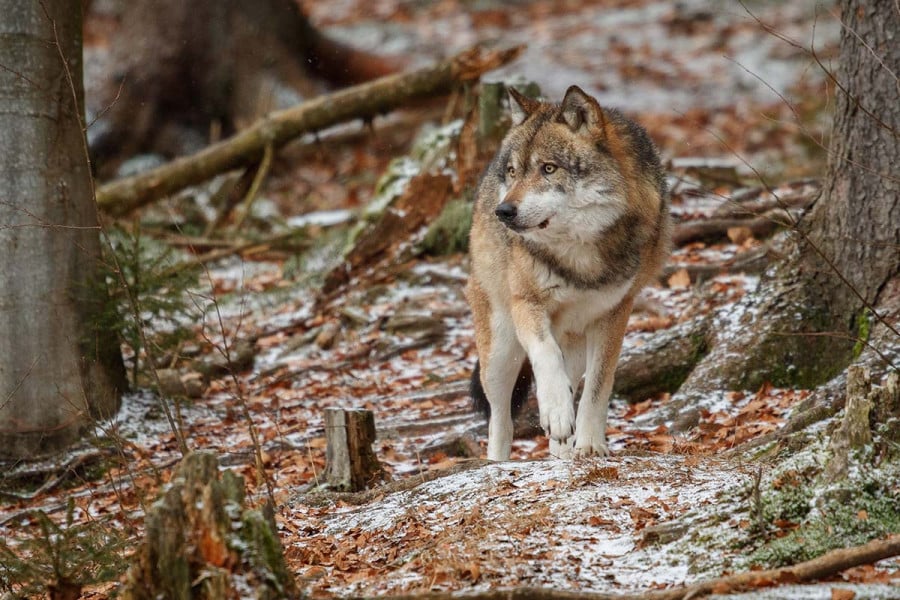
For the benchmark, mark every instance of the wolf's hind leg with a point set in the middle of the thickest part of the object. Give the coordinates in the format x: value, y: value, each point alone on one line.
x: 604, y: 340
x: 499, y: 372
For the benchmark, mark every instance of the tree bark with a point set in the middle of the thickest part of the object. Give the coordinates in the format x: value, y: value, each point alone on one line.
x: 853, y: 232
x: 181, y: 66
x: 351, y: 464
x: 56, y: 370
x: 807, y: 322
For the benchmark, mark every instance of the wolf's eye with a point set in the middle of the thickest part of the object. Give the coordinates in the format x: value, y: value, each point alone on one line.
x: 511, y: 171
x: 548, y: 168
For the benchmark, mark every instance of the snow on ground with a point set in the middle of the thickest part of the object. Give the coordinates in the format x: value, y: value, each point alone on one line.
x: 590, y: 525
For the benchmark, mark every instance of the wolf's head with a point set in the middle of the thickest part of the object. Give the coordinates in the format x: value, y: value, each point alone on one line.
x: 568, y: 172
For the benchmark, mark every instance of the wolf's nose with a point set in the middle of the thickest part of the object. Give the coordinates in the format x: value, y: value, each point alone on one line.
x: 506, y: 212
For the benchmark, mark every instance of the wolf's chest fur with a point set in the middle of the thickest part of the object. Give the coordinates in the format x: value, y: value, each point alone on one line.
x: 573, y: 309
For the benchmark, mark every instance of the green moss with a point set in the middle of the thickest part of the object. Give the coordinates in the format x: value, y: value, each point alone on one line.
x: 264, y: 551
x: 851, y: 521
x: 449, y: 233
x: 863, y: 328
x: 791, y: 502
x: 853, y: 513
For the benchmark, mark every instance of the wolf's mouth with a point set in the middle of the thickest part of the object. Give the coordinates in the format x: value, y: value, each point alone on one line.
x: 543, y: 224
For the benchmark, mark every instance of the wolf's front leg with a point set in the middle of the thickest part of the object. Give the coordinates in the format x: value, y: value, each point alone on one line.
x: 603, y: 340
x: 554, y: 390
x: 500, y: 368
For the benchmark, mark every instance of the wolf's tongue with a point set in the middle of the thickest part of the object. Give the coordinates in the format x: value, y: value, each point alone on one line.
x: 543, y: 224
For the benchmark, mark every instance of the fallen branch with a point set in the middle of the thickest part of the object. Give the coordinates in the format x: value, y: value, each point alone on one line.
x: 826, y: 565
x: 55, y: 475
x: 802, y: 196
x: 715, y: 229
x: 362, y: 101
x: 751, y: 261
x: 245, y: 247
x: 818, y: 568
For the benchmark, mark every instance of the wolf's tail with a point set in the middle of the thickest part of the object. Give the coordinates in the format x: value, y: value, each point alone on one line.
x: 519, y: 393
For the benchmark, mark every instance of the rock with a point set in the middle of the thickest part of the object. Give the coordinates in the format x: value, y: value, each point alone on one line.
x: 173, y: 383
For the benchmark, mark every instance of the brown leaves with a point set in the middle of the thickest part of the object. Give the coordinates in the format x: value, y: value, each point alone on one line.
x: 681, y: 279
x: 762, y: 414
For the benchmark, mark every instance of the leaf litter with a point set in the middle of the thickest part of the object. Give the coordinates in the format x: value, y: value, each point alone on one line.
x: 663, y: 510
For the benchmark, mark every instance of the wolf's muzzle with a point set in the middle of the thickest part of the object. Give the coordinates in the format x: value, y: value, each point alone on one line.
x: 507, y: 212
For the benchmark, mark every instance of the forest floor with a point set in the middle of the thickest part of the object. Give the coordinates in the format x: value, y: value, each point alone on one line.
x: 668, y: 507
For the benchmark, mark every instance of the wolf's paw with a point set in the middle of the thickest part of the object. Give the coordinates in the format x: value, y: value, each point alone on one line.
x: 564, y: 450
x: 557, y: 410
x: 594, y: 445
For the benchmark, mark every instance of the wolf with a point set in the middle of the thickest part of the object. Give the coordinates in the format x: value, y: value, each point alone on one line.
x: 571, y: 220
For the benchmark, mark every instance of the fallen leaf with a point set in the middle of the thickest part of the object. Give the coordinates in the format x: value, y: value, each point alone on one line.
x: 842, y: 594
x: 680, y: 280
x: 739, y: 235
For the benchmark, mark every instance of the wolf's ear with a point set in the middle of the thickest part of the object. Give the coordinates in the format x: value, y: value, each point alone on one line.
x: 520, y: 106
x: 579, y: 110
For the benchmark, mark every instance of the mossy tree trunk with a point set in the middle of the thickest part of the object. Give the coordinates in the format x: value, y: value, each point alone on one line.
x: 56, y: 370
x: 810, y: 318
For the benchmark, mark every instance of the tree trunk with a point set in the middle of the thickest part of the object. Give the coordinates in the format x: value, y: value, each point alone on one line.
x: 179, y: 67
x: 806, y: 323
x: 855, y: 228
x: 56, y: 371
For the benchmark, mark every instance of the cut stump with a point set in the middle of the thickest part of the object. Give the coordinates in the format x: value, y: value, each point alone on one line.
x: 351, y: 465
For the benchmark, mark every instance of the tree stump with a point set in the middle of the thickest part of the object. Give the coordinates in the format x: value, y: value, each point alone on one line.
x: 202, y: 542
x: 854, y: 431
x: 887, y: 417
x: 351, y: 465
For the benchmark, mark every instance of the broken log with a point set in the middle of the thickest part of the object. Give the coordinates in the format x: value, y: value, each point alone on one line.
x: 364, y: 101
x: 202, y: 541
x: 421, y: 202
x: 350, y: 463
x: 802, y: 196
x: 853, y: 432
